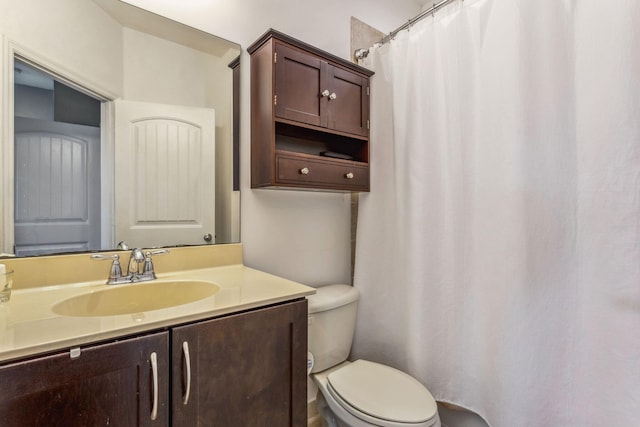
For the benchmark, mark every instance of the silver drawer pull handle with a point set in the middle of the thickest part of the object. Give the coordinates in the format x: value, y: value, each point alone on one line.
x: 349, y: 175
x: 333, y: 96
x: 154, y: 370
x: 187, y: 361
x: 325, y: 93
x: 304, y: 171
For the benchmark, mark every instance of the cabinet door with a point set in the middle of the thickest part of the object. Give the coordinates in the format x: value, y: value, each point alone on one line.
x: 242, y: 370
x: 109, y: 384
x: 348, y: 102
x: 298, y: 91
x: 312, y: 91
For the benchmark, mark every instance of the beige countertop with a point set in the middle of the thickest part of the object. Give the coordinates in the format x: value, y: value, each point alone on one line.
x: 29, y: 326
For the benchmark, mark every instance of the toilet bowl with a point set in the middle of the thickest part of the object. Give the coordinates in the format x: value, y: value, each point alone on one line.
x: 359, y: 393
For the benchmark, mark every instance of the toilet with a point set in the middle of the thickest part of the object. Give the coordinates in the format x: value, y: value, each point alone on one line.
x: 359, y: 393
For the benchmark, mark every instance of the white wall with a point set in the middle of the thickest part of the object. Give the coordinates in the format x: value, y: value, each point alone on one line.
x: 196, y: 79
x: 66, y: 33
x: 191, y: 73
x: 33, y: 103
x: 324, y: 24
x: 298, y: 235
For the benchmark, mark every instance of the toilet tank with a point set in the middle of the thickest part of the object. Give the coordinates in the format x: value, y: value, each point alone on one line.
x: 332, y: 322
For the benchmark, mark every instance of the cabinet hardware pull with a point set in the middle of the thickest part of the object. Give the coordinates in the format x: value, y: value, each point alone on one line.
x: 325, y: 93
x: 74, y: 353
x: 187, y: 361
x: 304, y: 171
x: 349, y: 175
x: 333, y: 96
x: 154, y: 370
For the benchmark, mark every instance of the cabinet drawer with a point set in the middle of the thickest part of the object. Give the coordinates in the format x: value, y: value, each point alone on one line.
x: 310, y: 171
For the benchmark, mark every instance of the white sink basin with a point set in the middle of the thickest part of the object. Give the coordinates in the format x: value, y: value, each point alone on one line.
x: 135, y: 298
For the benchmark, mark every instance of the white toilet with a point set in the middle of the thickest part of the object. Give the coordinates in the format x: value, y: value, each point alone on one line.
x: 359, y: 393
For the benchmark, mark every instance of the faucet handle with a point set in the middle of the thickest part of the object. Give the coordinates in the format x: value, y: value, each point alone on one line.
x: 158, y: 252
x: 102, y: 257
x: 148, y: 263
x: 115, y: 272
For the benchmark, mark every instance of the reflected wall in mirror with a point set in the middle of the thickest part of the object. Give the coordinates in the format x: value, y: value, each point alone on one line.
x: 151, y: 102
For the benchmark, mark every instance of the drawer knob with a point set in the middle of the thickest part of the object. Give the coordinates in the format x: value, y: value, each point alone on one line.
x: 325, y: 93
x: 333, y: 96
x: 349, y: 175
x: 304, y: 171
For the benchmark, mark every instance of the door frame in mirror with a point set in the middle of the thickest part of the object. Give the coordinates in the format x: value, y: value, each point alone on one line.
x: 13, y: 50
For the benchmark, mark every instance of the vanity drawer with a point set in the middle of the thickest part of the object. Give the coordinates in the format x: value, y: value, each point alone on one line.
x: 296, y: 169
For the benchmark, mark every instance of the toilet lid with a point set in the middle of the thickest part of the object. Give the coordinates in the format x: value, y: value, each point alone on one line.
x: 383, y: 392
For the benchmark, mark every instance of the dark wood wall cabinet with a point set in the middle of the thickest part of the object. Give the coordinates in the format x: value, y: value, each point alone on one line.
x: 309, y: 117
x: 246, y: 369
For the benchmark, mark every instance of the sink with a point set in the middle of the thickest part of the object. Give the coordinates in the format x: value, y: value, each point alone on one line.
x: 135, y: 298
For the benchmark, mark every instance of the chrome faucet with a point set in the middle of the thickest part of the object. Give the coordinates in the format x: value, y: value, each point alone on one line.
x: 137, y: 261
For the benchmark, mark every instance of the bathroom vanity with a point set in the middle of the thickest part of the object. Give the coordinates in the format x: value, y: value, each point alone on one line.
x: 235, y: 358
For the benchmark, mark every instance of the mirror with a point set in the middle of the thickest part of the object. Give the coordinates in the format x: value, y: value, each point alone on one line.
x: 110, y: 51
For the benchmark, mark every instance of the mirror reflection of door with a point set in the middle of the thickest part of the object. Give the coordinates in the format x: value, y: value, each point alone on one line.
x: 56, y: 165
x: 164, y: 174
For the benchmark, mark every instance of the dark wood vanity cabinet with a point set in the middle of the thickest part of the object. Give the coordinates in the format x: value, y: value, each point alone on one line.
x: 106, y: 384
x: 245, y: 369
x: 309, y: 117
x: 242, y: 370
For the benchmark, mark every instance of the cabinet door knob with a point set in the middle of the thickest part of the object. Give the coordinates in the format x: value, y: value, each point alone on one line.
x: 333, y: 96
x: 325, y: 93
x: 304, y: 171
x: 349, y: 175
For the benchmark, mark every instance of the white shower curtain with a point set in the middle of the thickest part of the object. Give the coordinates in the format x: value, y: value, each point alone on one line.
x: 498, y: 253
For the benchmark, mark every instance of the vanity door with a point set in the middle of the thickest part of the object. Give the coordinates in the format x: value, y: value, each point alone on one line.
x: 247, y: 369
x: 122, y: 383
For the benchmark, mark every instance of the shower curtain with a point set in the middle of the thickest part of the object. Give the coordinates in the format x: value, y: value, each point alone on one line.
x: 498, y: 253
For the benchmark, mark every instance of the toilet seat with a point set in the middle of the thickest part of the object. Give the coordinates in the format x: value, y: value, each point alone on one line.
x: 381, y: 395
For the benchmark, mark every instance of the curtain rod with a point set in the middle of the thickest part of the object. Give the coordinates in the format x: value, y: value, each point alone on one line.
x: 362, y: 53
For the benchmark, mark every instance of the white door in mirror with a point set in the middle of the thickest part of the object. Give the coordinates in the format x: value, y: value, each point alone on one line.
x: 57, y: 187
x: 164, y: 173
